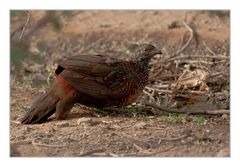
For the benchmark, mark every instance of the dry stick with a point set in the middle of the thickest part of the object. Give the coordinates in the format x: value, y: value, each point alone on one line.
x: 155, y: 128
x: 158, y: 89
x: 149, y: 94
x: 92, y: 45
x: 48, y: 78
x: 16, y: 30
x: 217, y: 74
x: 181, y: 92
x: 112, y: 154
x: 188, y: 41
x: 92, y: 152
x: 164, y: 91
x: 138, y: 147
x: 195, y: 112
x: 48, y: 145
x: 210, y: 50
x: 16, y: 122
x: 170, y: 64
x: 149, y: 152
x: 159, y: 151
x: 44, y: 20
x: 217, y: 57
x: 175, y: 138
x: 25, y: 25
x: 165, y: 110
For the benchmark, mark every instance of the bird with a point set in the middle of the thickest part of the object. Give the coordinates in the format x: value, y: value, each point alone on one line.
x: 95, y: 81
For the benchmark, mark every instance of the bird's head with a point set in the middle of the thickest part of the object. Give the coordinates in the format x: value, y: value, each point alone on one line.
x: 144, y: 53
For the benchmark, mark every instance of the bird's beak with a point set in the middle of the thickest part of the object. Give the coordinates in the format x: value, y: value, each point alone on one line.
x: 158, y: 51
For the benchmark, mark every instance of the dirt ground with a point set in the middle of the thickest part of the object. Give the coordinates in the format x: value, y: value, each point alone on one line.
x: 133, y: 132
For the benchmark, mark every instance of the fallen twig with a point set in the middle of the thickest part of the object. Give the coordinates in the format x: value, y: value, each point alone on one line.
x: 194, y: 112
x: 138, y: 147
x: 160, y: 90
x: 184, y: 93
x: 16, y: 122
x: 43, y: 21
x: 48, y: 78
x: 25, y: 25
x: 86, y: 49
x: 148, y: 152
x: 175, y: 138
x: 48, y: 145
x: 100, y: 150
x: 156, y: 128
x: 216, y: 57
x: 113, y: 155
x: 188, y: 41
x: 148, y: 94
x: 170, y: 63
x: 210, y: 50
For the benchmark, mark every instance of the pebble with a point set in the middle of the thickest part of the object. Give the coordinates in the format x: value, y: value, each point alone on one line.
x: 84, y: 120
x: 63, y: 124
x: 225, y: 152
x: 225, y: 116
x: 51, y: 129
x: 21, y: 138
x: 27, y: 129
x: 140, y: 125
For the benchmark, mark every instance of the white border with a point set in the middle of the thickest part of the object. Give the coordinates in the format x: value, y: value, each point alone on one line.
x: 121, y: 4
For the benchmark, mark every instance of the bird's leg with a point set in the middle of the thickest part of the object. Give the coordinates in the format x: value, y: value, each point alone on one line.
x: 64, y: 106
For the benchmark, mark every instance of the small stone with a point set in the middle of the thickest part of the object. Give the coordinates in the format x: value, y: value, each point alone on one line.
x: 21, y: 138
x: 51, y: 129
x: 207, y: 131
x: 27, y: 129
x: 225, y: 152
x: 225, y: 116
x: 63, y: 124
x: 183, y: 141
x: 84, y: 120
x: 140, y: 125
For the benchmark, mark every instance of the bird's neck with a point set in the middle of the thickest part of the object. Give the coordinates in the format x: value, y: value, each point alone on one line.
x: 142, y: 66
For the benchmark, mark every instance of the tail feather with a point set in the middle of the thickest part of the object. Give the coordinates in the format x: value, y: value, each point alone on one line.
x: 41, y: 110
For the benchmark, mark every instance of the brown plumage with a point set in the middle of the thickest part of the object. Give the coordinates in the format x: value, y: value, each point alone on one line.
x: 94, y: 80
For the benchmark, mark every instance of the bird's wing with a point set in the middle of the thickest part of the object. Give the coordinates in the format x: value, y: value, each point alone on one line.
x: 87, y: 64
x: 96, y: 76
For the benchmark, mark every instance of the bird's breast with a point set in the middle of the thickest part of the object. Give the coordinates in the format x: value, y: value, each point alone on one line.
x: 131, y: 90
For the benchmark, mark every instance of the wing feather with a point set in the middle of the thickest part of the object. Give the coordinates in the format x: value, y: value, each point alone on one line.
x: 96, y: 76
